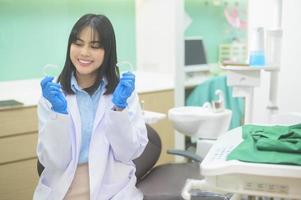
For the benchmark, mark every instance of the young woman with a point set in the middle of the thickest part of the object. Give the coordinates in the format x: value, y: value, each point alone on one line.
x: 90, y: 122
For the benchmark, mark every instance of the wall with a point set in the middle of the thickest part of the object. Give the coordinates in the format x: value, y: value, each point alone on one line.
x: 290, y: 82
x: 202, y: 19
x: 209, y: 22
x: 34, y: 33
x: 155, y: 30
x: 289, y: 94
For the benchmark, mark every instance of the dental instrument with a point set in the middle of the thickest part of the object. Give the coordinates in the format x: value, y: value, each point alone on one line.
x: 244, y: 178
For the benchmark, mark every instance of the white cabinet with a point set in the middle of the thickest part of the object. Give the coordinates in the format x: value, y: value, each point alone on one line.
x: 243, y: 76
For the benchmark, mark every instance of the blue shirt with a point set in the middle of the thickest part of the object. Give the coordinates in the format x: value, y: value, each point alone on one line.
x: 87, y: 105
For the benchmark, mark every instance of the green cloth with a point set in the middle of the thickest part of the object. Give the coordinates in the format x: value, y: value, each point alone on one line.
x: 205, y: 92
x: 269, y: 144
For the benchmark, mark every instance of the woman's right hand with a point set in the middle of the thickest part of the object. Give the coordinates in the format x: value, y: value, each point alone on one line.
x: 52, y: 92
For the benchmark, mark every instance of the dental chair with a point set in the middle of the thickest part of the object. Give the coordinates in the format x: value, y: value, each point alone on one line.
x: 165, y: 181
x: 243, y: 178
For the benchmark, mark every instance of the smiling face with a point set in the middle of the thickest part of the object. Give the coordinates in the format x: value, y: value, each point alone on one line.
x: 87, y: 54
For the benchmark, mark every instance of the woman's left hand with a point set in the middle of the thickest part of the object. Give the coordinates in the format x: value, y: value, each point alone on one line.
x: 124, y: 90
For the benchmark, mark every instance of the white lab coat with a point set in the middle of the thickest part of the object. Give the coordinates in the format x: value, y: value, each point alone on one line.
x: 117, y: 139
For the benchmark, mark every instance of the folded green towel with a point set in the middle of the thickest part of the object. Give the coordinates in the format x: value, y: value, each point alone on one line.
x: 269, y: 144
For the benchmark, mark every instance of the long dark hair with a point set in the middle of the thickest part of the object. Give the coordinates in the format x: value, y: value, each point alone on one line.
x: 102, y: 25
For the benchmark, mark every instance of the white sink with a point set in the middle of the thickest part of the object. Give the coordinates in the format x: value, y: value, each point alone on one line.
x: 200, y: 122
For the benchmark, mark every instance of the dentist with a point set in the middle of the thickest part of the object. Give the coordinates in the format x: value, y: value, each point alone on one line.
x: 90, y: 122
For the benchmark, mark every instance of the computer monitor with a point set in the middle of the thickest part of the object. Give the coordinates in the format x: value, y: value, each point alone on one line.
x: 195, y: 55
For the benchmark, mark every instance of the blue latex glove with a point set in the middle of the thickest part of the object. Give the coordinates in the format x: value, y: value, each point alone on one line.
x: 123, y: 90
x: 52, y: 92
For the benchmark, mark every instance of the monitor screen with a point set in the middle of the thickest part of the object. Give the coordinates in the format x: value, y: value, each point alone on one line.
x: 195, y: 52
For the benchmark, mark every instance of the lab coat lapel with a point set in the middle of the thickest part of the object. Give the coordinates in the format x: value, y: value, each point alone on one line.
x: 75, y: 115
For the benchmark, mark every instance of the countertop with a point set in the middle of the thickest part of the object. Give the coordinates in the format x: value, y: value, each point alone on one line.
x: 29, y: 92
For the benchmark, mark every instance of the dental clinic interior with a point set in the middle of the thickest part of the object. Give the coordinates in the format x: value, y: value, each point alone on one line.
x: 218, y: 85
